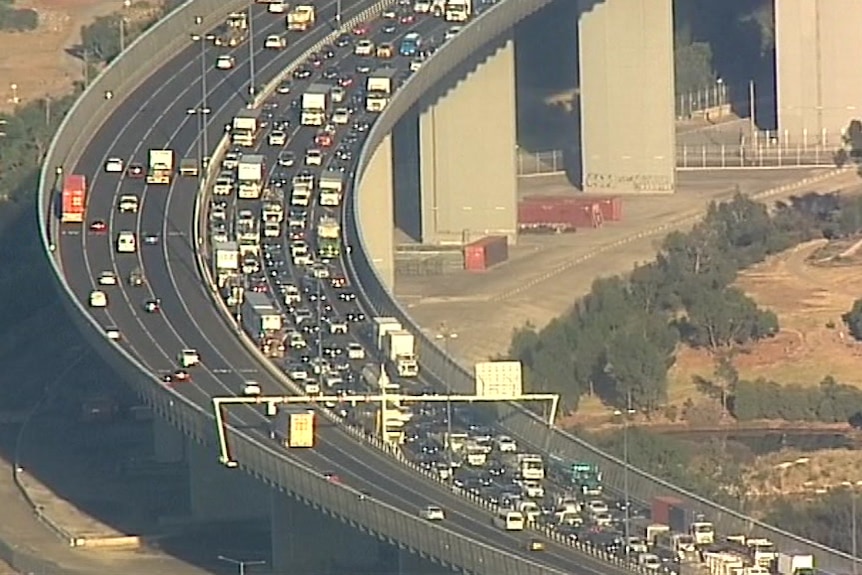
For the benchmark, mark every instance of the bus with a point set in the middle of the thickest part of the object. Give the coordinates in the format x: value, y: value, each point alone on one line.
x: 410, y: 45
x: 510, y: 520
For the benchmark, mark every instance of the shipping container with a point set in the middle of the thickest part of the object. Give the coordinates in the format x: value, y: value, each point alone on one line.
x: 558, y: 214
x: 485, y: 253
x: 661, y: 508
x: 611, y: 207
x: 680, y: 518
x: 74, y: 200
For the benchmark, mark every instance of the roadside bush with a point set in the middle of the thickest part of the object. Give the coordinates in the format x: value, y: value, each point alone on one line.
x: 18, y: 19
x: 830, y: 402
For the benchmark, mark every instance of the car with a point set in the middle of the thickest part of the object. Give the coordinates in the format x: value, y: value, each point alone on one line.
x: 415, y: 64
x: 152, y: 306
x: 128, y: 204
x: 114, y: 165
x: 323, y: 139
x: 347, y: 296
x: 389, y: 28
x: 407, y: 18
x: 225, y: 62
x: 275, y: 42
x: 363, y: 68
x: 451, y: 32
x: 98, y: 298
x: 360, y: 29
x: 251, y: 388
x: 355, y: 351
x: 135, y: 171
x: 328, y: 52
x: 364, y: 48
x: 107, y: 278
x: 276, y: 7
x: 389, y: 15
x: 283, y: 88
x: 535, y: 545
x: 180, y: 376
x: 313, y: 157
x: 330, y: 73
x: 151, y: 239
x: 136, y: 278
x: 385, y: 51
x: 341, y: 116
x: 301, y: 73
x: 98, y: 227
x: 189, y: 358
x: 432, y: 513
x: 112, y: 333
x: 286, y: 159
x: 277, y: 138
x: 343, y: 41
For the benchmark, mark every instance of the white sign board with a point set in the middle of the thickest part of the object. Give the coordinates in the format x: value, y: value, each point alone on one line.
x: 499, y: 379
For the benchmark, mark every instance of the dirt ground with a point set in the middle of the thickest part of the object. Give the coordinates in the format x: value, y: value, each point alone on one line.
x: 809, y: 296
x: 37, y: 62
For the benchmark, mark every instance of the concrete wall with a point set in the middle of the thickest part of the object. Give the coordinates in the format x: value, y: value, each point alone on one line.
x: 627, y: 95
x: 376, y: 197
x: 468, y: 166
x: 818, y: 84
x: 169, y: 443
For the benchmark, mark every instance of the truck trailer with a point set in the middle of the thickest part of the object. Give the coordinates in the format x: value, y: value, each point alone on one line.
x: 400, y: 349
x: 301, y: 18
x: 379, y: 89
x: 259, y: 315
x: 293, y: 427
x: 315, y: 105
x: 331, y: 188
x: 160, y: 168
x: 245, y: 128
x: 328, y: 238
x: 250, y: 175
x: 74, y: 199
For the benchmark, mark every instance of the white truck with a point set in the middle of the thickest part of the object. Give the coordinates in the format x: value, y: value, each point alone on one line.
x: 400, y: 349
x: 245, y: 128
x: 795, y: 563
x: 331, y: 188
x: 528, y: 466
x: 248, y: 236
x: 379, y: 88
x: 301, y: 18
x: 259, y: 315
x: 315, y: 105
x: 328, y: 238
x: 250, y: 175
x: 382, y: 326
x: 273, y: 205
x: 225, y: 262
x: 160, y: 166
x: 458, y: 10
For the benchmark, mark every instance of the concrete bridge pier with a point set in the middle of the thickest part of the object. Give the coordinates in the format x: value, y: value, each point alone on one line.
x: 376, y: 192
x: 217, y: 493
x: 306, y: 540
x: 169, y: 443
x: 628, y: 142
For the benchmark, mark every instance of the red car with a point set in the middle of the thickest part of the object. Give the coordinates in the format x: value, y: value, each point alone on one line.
x: 323, y: 139
x: 408, y: 18
x: 331, y: 477
x: 338, y: 282
x: 179, y: 376
x: 98, y: 227
x: 345, y: 81
x: 360, y: 30
x: 135, y: 171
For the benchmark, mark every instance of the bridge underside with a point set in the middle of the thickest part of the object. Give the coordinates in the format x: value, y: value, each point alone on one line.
x: 819, y: 88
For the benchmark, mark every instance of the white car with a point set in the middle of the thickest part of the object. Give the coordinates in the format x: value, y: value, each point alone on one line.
x: 433, y: 513
x: 225, y: 62
x: 506, y: 444
x: 337, y: 94
x: 107, y: 278
x: 364, y: 48
x: 112, y: 333
x: 286, y: 159
x: 355, y: 351
x: 127, y: 243
x: 251, y: 388
x: 597, y: 507
x: 277, y: 138
x: 189, y: 358
x: 128, y: 203
x: 313, y: 157
x: 341, y: 116
x: 451, y: 32
x: 275, y: 8
x: 275, y: 42
x: 114, y: 165
x: 98, y: 298
x: 415, y: 64
x: 422, y: 6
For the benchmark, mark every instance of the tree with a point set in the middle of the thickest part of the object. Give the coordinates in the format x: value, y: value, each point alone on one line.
x: 721, y: 319
x: 853, y: 319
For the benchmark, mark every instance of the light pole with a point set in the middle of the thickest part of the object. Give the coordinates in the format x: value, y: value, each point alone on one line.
x: 203, y: 144
x: 240, y: 564
x: 14, y: 99
x: 446, y: 336
x: 854, y: 542
x: 338, y: 13
x: 626, y: 501
x: 122, y: 24
x: 251, y: 80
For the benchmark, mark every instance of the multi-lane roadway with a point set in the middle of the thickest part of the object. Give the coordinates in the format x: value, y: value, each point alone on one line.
x: 157, y: 116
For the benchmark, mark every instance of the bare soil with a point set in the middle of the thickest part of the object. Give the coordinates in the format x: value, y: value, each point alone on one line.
x: 37, y: 62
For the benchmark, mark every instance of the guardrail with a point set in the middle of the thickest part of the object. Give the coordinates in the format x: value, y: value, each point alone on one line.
x: 271, y: 465
x: 521, y: 423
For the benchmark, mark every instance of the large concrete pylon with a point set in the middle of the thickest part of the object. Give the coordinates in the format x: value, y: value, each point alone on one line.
x: 376, y: 212
x: 818, y: 84
x: 628, y: 143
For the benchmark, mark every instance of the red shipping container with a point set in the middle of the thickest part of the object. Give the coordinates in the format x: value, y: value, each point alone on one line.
x: 485, y: 253
x: 74, y: 199
x: 612, y: 208
x: 661, y: 508
x: 558, y: 214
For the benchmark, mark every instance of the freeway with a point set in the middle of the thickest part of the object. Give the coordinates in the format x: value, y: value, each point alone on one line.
x: 156, y: 117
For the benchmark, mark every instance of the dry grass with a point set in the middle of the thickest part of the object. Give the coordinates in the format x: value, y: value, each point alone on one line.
x: 37, y: 62
x: 791, y: 472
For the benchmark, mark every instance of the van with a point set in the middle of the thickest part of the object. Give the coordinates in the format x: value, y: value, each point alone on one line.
x: 126, y: 243
x: 188, y: 167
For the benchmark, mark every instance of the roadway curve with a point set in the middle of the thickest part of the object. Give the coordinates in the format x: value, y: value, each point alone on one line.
x: 155, y: 116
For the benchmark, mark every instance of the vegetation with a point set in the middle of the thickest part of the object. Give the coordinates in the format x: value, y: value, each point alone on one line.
x: 830, y: 402
x: 619, y: 341
x: 102, y: 39
x: 17, y: 19
x: 827, y: 519
x: 853, y: 319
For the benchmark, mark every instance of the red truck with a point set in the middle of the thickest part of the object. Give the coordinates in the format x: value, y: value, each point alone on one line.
x: 74, y: 199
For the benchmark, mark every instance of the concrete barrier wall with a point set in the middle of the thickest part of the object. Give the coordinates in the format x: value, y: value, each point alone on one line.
x: 525, y: 425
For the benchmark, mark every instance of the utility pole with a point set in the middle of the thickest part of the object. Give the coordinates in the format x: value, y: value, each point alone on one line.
x: 251, y: 79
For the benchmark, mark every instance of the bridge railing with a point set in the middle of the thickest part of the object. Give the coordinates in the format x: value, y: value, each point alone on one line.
x: 523, y: 424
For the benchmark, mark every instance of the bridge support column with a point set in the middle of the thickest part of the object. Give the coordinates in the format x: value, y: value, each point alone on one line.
x: 169, y: 444
x: 628, y: 142
x: 819, y: 89
x: 468, y: 149
x: 305, y: 540
x: 217, y: 493
x: 376, y: 212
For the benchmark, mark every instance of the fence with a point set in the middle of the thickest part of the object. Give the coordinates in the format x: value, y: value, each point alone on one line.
x: 699, y: 102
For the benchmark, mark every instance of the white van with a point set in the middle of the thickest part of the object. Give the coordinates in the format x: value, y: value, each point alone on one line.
x: 126, y: 243
x: 98, y: 298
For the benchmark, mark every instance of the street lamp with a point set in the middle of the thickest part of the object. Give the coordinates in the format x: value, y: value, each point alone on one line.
x: 251, y: 79
x: 853, y: 486
x: 14, y: 99
x: 203, y: 144
x: 338, y: 13
x: 627, y: 502
x: 240, y: 564
x: 122, y: 24
x: 446, y: 336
